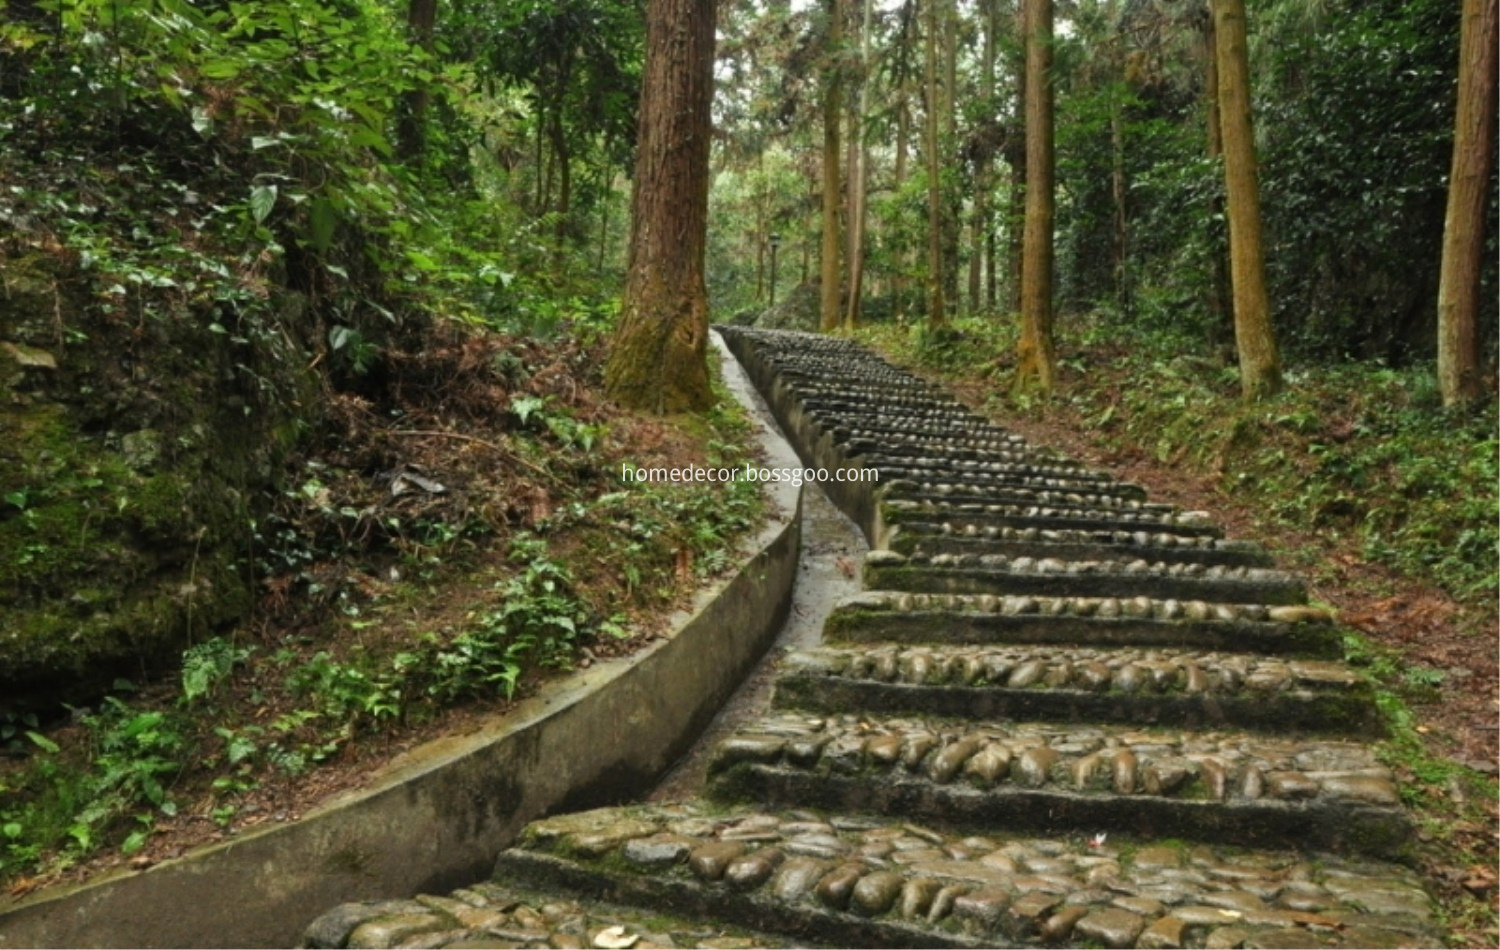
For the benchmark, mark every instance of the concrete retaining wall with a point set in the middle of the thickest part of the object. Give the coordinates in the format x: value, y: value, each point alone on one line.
x: 436, y: 818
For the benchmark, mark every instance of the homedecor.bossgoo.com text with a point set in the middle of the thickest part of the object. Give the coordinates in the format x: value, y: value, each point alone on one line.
x: 749, y: 473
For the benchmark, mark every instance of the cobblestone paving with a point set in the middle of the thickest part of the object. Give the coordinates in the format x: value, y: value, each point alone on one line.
x: 1059, y: 714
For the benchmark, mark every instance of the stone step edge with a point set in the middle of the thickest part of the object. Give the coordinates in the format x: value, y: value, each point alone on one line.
x: 1324, y: 712
x: 1007, y: 492
x: 690, y: 898
x: 857, y: 443
x: 1379, y: 832
x: 857, y: 625
x: 819, y: 863
x: 477, y: 915
x: 958, y: 529
x: 934, y: 543
x: 1098, y: 670
x: 896, y: 511
x: 1285, y: 590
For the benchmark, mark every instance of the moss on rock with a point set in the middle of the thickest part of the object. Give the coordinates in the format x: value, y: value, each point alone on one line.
x: 129, y: 465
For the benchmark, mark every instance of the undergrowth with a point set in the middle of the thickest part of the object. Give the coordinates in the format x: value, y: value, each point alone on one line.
x: 422, y: 610
x: 1358, y: 449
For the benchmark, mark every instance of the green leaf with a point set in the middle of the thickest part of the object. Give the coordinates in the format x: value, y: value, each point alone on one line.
x: 135, y: 842
x: 371, y: 139
x: 42, y: 742
x: 262, y: 200
x: 322, y: 218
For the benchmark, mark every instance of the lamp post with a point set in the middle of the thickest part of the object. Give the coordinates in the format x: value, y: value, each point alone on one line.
x: 775, y: 241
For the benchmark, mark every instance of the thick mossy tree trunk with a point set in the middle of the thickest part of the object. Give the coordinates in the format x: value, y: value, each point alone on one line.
x: 658, y: 358
x: 1036, y: 358
x: 829, y: 310
x: 1463, y: 234
x: 1260, y: 367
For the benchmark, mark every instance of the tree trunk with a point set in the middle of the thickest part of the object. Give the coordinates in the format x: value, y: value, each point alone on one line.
x: 1120, y: 245
x: 1463, y: 233
x: 832, y: 94
x: 1221, y: 321
x: 858, y: 175
x: 983, y: 227
x: 953, y: 200
x: 411, y: 131
x: 1260, y: 369
x: 899, y: 283
x: 1036, y: 360
x: 1015, y: 156
x: 564, y: 162
x: 658, y: 357
x: 762, y: 234
x: 936, y: 307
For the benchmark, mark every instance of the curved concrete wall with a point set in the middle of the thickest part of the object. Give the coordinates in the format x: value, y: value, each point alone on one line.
x: 436, y: 818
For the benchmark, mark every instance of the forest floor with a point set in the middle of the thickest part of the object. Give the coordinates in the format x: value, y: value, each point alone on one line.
x: 1445, y: 717
x: 422, y: 534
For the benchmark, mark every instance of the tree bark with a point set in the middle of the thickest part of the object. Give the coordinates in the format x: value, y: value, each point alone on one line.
x: 899, y: 282
x: 1015, y: 156
x: 858, y: 175
x: 1036, y: 359
x: 1120, y: 245
x: 832, y: 114
x: 936, y: 306
x: 953, y: 200
x: 1260, y: 367
x: 658, y: 357
x: 1221, y: 321
x: 1463, y: 233
x: 411, y: 131
x: 982, y: 266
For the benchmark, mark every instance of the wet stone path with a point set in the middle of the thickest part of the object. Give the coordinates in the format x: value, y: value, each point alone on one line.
x: 1057, y: 714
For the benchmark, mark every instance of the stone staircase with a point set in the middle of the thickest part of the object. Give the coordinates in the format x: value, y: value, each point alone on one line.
x: 1059, y: 714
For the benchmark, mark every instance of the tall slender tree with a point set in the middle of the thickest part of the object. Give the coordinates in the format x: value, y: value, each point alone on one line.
x: 830, y: 270
x: 1463, y: 233
x: 1220, y: 321
x: 411, y: 131
x: 658, y: 357
x: 858, y: 173
x: 1036, y: 357
x: 936, y: 304
x: 1260, y: 366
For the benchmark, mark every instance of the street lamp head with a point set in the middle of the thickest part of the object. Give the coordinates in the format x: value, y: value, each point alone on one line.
x: 774, y: 238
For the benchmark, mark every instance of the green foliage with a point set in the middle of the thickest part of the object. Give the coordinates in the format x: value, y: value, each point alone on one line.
x: 70, y: 810
x: 207, y: 664
x: 1357, y: 449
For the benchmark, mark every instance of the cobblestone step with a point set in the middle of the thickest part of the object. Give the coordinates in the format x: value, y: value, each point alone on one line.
x: 1099, y: 544
x: 1037, y: 518
x: 1186, y: 689
x: 1025, y: 477
x: 1000, y: 448
x: 858, y: 881
x: 954, y: 462
x: 881, y: 615
x: 1223, y: 786
x: 948, y: 491
x: 1052, y: 577
x: 489, y: 915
